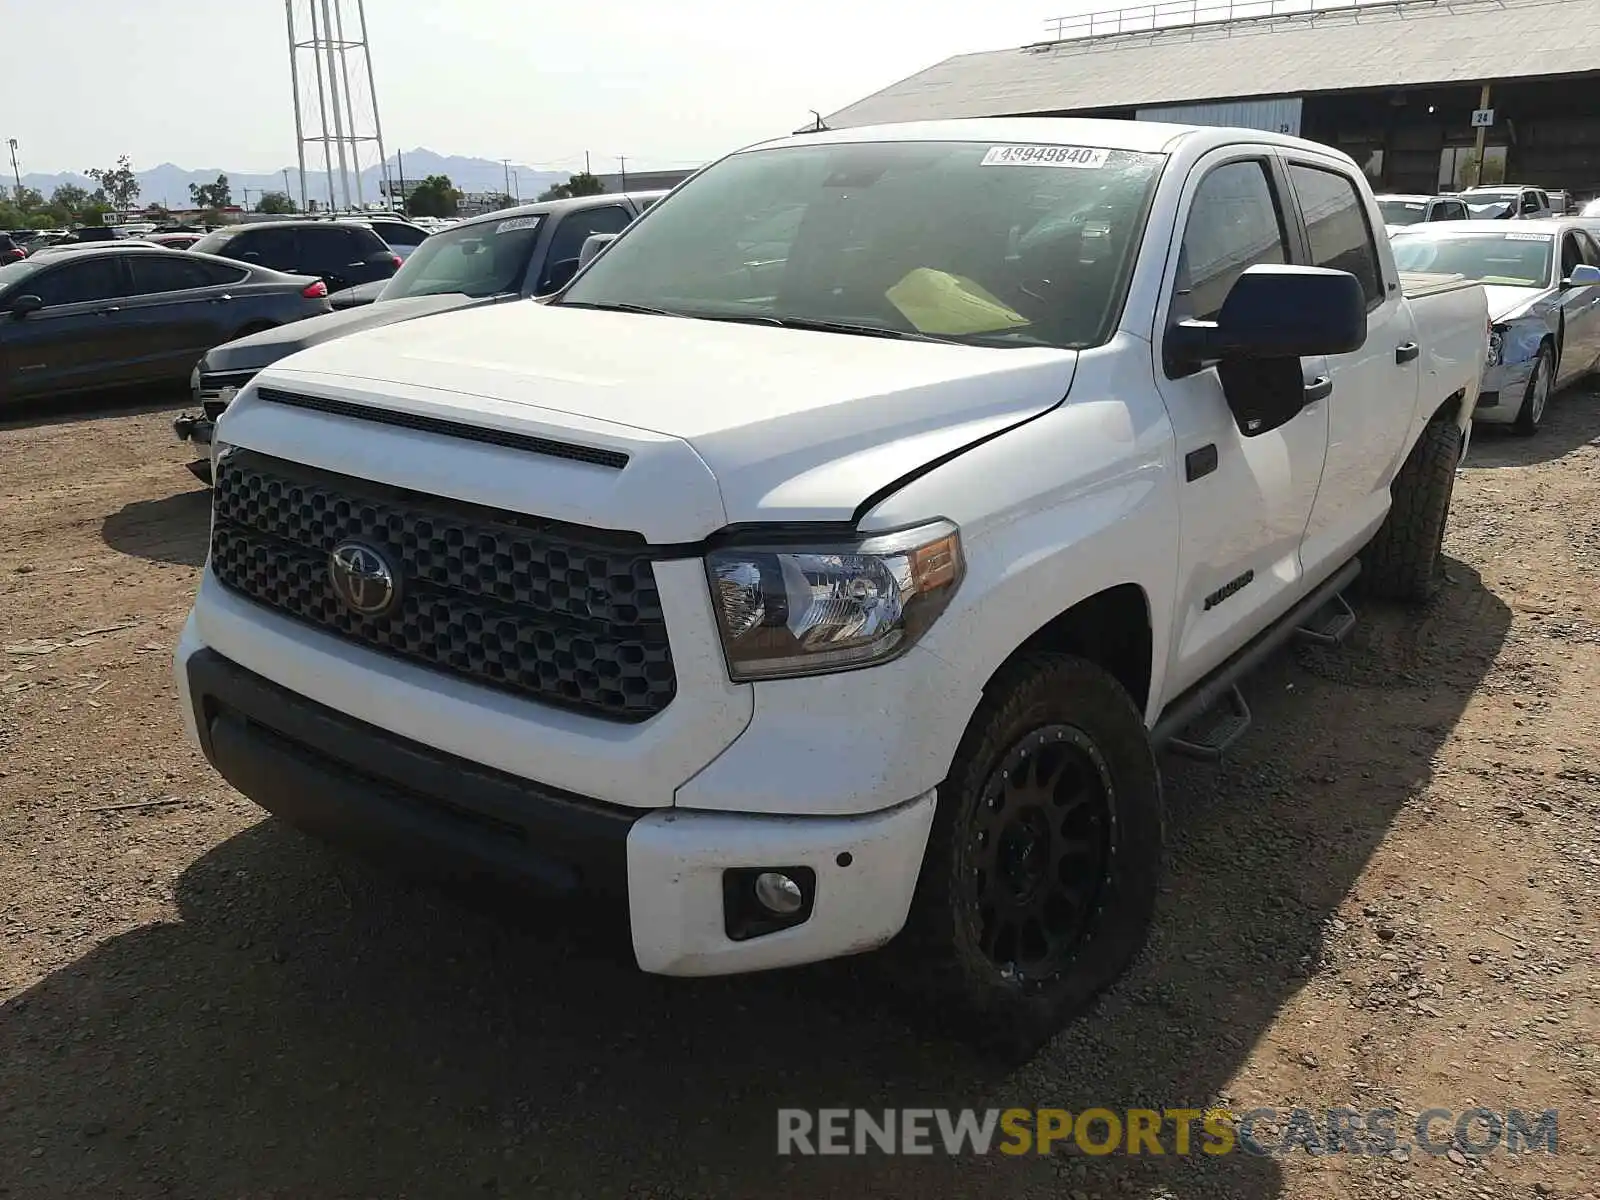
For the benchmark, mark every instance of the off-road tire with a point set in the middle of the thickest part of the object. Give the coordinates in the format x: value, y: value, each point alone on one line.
x: 1402, y: 560
x: 944, y: 962
x: 1531, y: 415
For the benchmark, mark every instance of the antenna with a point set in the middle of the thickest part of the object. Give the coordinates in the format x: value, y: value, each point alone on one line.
x: 336, y: 102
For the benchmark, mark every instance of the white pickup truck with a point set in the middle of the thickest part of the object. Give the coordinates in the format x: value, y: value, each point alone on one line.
x: 833, y: 556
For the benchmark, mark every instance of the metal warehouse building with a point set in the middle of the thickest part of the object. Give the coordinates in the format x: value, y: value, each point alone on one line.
x: 1397, y: 86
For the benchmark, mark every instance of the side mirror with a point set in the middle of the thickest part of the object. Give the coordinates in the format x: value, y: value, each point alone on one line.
x: 23, y: 305
x: 1583, y: 275
x: 592, y: 245
x: 560, y: 274
x: 1277, y: 312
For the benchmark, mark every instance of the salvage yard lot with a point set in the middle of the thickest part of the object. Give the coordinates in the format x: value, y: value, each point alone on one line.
x: 1385, y: 897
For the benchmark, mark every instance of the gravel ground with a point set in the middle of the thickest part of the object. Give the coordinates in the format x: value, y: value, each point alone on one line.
x: 1385, y: 897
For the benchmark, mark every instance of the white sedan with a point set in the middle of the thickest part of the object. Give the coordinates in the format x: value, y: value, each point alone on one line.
x: 1542, y: 279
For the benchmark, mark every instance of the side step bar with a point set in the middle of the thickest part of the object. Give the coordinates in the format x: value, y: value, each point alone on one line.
x: 1306, y: 618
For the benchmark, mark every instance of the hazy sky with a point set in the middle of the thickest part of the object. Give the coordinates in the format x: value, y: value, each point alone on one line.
x: 202, y: 83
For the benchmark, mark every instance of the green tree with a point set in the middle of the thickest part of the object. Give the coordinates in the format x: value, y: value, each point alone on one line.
x: 70, y: 198
x: 29, y: 199
x: 211, y: 195
x: 435, y: 196
x: 504, y: 201
x: 581, y: 184
x: 276, y: 203
x: 118, y: 183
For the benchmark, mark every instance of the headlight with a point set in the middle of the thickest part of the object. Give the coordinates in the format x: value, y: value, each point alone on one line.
x: 1497, y: 345
x: 807, y: 609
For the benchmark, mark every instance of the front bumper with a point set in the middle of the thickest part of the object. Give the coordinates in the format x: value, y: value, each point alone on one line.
x: 355, y: 784
x: 1500, y: 398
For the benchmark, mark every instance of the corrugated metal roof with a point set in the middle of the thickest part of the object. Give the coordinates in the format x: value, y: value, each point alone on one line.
x: 1426, y: 42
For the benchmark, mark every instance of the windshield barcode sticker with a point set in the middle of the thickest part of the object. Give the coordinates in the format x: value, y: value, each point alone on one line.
x: 516, y: 223
x: 1527, y: 237
x: 1045, y: 156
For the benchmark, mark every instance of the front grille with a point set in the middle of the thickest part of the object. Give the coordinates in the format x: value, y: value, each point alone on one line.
x: 212, y: 385
x: 563, y: 616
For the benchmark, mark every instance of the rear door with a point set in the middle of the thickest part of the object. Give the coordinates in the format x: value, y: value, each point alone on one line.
x: 78, y: 340
x: 343, y: 255
x: 1374, y: 389
x: 1247, y: 492
x: 179, y: 307
x: 566, y: 242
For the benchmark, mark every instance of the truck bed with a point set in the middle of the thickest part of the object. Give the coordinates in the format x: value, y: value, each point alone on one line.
x: 1417, y: 284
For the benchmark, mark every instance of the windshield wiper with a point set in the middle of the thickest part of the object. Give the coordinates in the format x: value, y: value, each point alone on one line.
x: 817, y: 326
x: 628, y: 308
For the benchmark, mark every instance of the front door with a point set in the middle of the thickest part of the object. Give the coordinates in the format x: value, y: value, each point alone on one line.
x: 78, y: 340
x: 1247, y: 495
x: 176, y: 311
x: 1374, y: 389
x: 1580, y: 310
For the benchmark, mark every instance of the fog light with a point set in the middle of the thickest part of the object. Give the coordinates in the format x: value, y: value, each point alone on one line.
x: 778, y: 893
x: 757, y: 901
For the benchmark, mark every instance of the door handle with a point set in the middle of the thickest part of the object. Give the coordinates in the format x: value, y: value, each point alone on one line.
x: 1407, y: 352
x: 107, y: 312
x: 1319, y: 388
x: 222, y: 299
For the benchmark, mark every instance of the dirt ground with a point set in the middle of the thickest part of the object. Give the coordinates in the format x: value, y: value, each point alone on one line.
x: 1385, y: 897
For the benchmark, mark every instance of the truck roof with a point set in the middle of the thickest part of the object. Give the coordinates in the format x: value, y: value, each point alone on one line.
x: 1149, y: 137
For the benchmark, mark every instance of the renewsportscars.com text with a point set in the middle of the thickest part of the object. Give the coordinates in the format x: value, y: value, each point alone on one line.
x: 1176, y: 1131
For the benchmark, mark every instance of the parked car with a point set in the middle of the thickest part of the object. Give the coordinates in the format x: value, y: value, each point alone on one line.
x: 1400, y: 212
x: 805, y: 601
x: 1543, y: 285
x: 10, y: 252
x: 400, y: 235
x: 174, y: 241
x: 526, y: 251
x: 341, y: 254
x: 117, y: 315
x: 1507, y: 202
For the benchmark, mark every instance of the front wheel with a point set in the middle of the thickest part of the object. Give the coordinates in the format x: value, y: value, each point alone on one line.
x: 1041, y: 871
x: 1537, y: 394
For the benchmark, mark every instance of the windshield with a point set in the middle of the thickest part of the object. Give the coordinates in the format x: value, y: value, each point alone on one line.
x: 216, y: 242
x: 961, y: 241
x: 1505, y: 259
x: 1402, y: 212
x: 485, y: 258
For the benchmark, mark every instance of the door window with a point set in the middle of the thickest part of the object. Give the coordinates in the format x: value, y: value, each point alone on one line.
x: 82, y: 282
x: 1234, y: 224
x: 1571, y: 255
x: 1336, y: 226
x: 1588, y: 249
x: 562, y: 257
x: 154, y: 273
x: 269, y: 247
x: 327, y: 248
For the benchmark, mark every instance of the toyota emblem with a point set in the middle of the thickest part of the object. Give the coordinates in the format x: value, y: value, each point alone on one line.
x: 362, y: 579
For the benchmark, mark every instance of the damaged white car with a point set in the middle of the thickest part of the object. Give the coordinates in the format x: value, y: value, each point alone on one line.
x: 1542, y: 279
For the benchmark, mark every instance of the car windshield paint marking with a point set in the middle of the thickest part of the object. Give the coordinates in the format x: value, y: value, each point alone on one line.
x: 480, y: 259
x: 1090, y: 157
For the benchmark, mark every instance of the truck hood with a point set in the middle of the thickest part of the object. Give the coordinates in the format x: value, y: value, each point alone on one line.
x: 1508, y: 303
x: 784, y: 425
x: 259, y: 349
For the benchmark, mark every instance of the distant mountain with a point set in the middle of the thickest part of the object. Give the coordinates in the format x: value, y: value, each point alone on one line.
x: 169, y: 184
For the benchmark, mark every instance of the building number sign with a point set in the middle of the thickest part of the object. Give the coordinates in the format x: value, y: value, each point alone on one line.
x: 1482, y: 118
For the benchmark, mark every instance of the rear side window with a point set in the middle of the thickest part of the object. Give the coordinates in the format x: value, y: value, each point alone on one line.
x: 157, y: 273
x: 1234, y: 224
x: 1336, y: 226
x: 269, y: 247
x: 327, y: 247
x: 398, y: 234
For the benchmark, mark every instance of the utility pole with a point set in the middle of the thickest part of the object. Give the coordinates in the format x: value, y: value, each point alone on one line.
x: 586, y: 170
x: 247, y: 199
x: 286, y: 183
x: 622, y: 162
x: 400, y: 167
x: 15, y: 173
x: 506, y: 164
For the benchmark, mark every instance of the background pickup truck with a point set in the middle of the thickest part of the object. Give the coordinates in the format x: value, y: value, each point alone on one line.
x: 828, y: 562
x: 531, y: 250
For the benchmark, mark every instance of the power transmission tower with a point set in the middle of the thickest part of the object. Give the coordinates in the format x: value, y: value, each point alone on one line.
x: 335, y: 103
